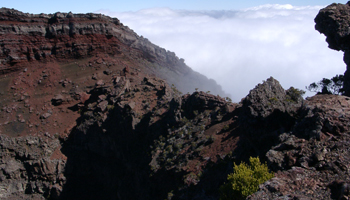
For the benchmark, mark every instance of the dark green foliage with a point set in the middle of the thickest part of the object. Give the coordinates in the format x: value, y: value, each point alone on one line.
x: 294, y: 94
x: 226, y: 127
x: 245, y: 180
x: 173, y: 149
x: 328, y: 86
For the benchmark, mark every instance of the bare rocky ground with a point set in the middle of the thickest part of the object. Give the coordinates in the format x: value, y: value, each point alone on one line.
x: 87, y: 112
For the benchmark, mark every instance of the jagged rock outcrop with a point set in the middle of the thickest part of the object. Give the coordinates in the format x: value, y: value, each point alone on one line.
x: 333, y: 21
x: 268, y: 111
x: 269, y: 97
x: 312, y: 161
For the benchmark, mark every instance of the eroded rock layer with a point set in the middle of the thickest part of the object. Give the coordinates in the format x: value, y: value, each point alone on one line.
x: 46, y: 37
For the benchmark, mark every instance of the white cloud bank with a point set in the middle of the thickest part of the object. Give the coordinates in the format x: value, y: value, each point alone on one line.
x: 240, y: 48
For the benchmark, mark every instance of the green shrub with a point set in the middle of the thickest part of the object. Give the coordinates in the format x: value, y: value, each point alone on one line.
x: 228, y: 99
x: 273, y: 99
x: 110, y: 107
x: 245, y: 180
x: 226, y: 127
x: 294, y: 94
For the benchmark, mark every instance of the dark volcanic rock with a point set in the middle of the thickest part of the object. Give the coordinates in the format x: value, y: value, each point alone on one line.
x: 122, y: 128
x: 149, y: 139
x: 26, y: 170
x: 267, y: 112
x: 324, y: 114
x: 202, y: 101
x: 269, y: 97
x: 296, y: 183
x: 314, y: 156
x: 333, y: 21
x: 312, y: 147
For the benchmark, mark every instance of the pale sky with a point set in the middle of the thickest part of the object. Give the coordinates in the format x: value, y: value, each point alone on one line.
x: 84, y: 6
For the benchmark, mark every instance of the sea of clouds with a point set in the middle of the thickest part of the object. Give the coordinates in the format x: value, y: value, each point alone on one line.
x: 240, y: 48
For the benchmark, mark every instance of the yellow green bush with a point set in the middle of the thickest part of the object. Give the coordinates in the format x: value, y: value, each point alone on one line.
x: 245, y: 180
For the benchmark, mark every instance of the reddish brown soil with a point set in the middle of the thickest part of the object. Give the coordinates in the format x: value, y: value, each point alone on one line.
x: 26, y: 94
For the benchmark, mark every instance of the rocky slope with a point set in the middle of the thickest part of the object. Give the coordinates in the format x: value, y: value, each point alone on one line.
x: 61, y: 36
x: 60, y: 57
x: 61, y: 72
x: 141, y: 135
x: 81, y: 120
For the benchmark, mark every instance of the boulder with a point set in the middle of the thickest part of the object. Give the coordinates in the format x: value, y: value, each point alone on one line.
x: 45, y: 115
x: 103, y: 105
x: 57, y: 99
x: 270, y: 97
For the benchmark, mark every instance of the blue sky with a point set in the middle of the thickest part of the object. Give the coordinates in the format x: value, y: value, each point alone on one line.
x: 84, y: 6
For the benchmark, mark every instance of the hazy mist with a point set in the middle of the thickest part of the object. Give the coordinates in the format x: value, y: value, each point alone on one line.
x: 240, y: 48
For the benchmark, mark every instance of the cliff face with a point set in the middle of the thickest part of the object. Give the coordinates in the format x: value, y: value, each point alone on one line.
x: 333, y: 21
x: 28, y: 37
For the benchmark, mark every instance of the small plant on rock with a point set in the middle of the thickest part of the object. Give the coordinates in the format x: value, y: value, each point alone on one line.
x: 226, y: 127
x: 245, y: 180
x: 228, y: 99
x: 294, y: 94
